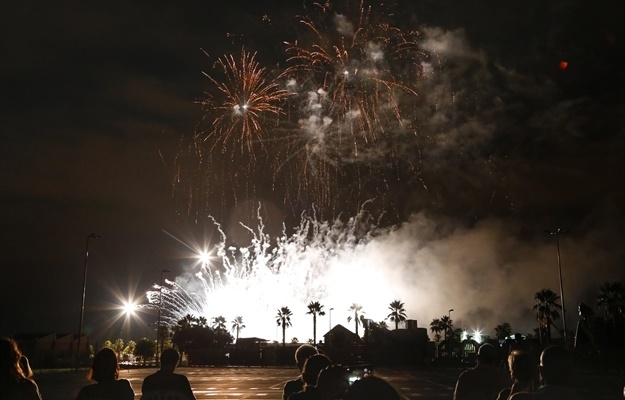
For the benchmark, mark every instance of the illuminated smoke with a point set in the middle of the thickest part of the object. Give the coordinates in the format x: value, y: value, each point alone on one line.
x: 338, y: 115
x: 486, y: 273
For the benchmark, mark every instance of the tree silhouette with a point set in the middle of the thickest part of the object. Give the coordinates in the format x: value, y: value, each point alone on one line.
x: 237, y: 326
x: 219, y: 323
x: 448, y: 325
x: 611, y: 300
x: 283, y: 319
x: 436, y: 326
x: 546, y: 308
x: 315, y: 308
x: 398, y: 314
x: 193, y: 333
x: 357, y: 310
x: 502, y: 331
x: 145, y: 349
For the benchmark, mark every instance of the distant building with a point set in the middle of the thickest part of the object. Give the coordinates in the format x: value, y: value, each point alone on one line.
x: 52, y: 349
x: 341, y: 336
x: 343, y: 346
x: 411, y: 324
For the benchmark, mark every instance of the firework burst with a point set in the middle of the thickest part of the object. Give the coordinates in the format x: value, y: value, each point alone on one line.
x: 356, y: 77
x: 338, y: 124
x: 361, y: 75
x: 243, y: 98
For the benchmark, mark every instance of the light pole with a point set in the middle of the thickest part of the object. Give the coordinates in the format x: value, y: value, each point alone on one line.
x: 449, y: 317
x: 158, y: 325
x: 330, y: 319
x: 84, y: 290
x: 557, y: 233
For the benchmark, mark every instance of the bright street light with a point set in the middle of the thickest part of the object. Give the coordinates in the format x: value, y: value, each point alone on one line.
x: 129, y: 308
x: 204, y: 257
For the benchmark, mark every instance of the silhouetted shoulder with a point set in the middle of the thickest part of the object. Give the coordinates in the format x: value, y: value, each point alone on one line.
x: 119, y: 389
x: 292, y: 386
x: 552, y: 392
x: 26, y: 389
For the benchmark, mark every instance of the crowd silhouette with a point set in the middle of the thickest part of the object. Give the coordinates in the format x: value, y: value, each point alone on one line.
x: 525, y: 373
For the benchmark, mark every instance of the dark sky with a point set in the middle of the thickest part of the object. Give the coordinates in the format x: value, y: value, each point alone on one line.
x: 98, y: 97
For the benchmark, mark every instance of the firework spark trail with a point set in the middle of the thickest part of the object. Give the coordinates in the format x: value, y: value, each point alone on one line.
x: 355, y: 108
x: 362, y: 69
x: 340, y: 118
x: 241, y: 103
x: 262, y: 277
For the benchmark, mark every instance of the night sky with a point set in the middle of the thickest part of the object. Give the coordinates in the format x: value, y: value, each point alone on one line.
x: 97, y: 99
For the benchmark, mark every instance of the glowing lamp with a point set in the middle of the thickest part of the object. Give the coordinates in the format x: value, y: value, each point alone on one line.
x: 129, y: 308
x: 204, y: 257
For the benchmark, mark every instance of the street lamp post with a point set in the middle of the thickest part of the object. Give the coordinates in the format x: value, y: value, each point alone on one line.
x: 84, y: 290
x: 557, y: 233
x: 449, y: 317
x: 330, y: 319
x: 159, y: 343
x: 447, y: 329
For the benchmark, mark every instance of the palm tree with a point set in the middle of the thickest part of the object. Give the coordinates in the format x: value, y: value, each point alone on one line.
x: 448, y: 325
x: 503, y: 331
x: 283, y: 319
x: 612, y: 300
x: 546, y: 308
x: 356, y: 309
x: 219, y: 323
x: 315, y: 308
x: 237, y: 326
x: 436, y: 326
x: 398, y: 313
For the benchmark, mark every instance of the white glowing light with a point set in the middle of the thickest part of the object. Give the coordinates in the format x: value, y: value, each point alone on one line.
x: 129, y: 308
x: 254, y: 281
x: 204, y: 257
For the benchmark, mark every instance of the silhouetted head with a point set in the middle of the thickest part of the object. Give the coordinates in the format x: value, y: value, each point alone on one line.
x: 555, y: 365
x: 312, y: 367
x: 105, y: 367
x: 487, y: 354
x: 9, y: 360
x: 303, y: 353
x: 25, y: 366
x: 371, y: 388
x: 170, y: 358
x: 523, y: 366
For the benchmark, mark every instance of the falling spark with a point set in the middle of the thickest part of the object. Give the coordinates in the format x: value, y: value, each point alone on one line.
x: 335, y: 126
x: 239, y: 104
x: 313, y: 263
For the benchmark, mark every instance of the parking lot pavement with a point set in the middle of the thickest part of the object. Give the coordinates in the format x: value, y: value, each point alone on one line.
x: 242, y: 383
x: 267, y: 383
